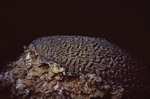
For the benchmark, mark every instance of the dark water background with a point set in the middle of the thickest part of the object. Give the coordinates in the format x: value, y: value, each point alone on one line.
x: 126, y: 24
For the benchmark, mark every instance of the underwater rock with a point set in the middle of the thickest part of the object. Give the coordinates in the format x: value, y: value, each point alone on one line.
x: 75, y: 67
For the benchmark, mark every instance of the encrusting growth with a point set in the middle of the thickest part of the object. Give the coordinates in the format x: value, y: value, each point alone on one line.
x: 75, y: 67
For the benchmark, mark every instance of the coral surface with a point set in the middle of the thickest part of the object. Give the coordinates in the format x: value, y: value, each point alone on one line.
x: 75, y: 67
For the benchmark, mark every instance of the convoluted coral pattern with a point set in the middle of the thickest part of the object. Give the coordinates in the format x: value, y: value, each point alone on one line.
x: 75, y: 67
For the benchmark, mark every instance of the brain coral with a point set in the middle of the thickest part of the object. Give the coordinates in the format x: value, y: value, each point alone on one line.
x: 75, y: 67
